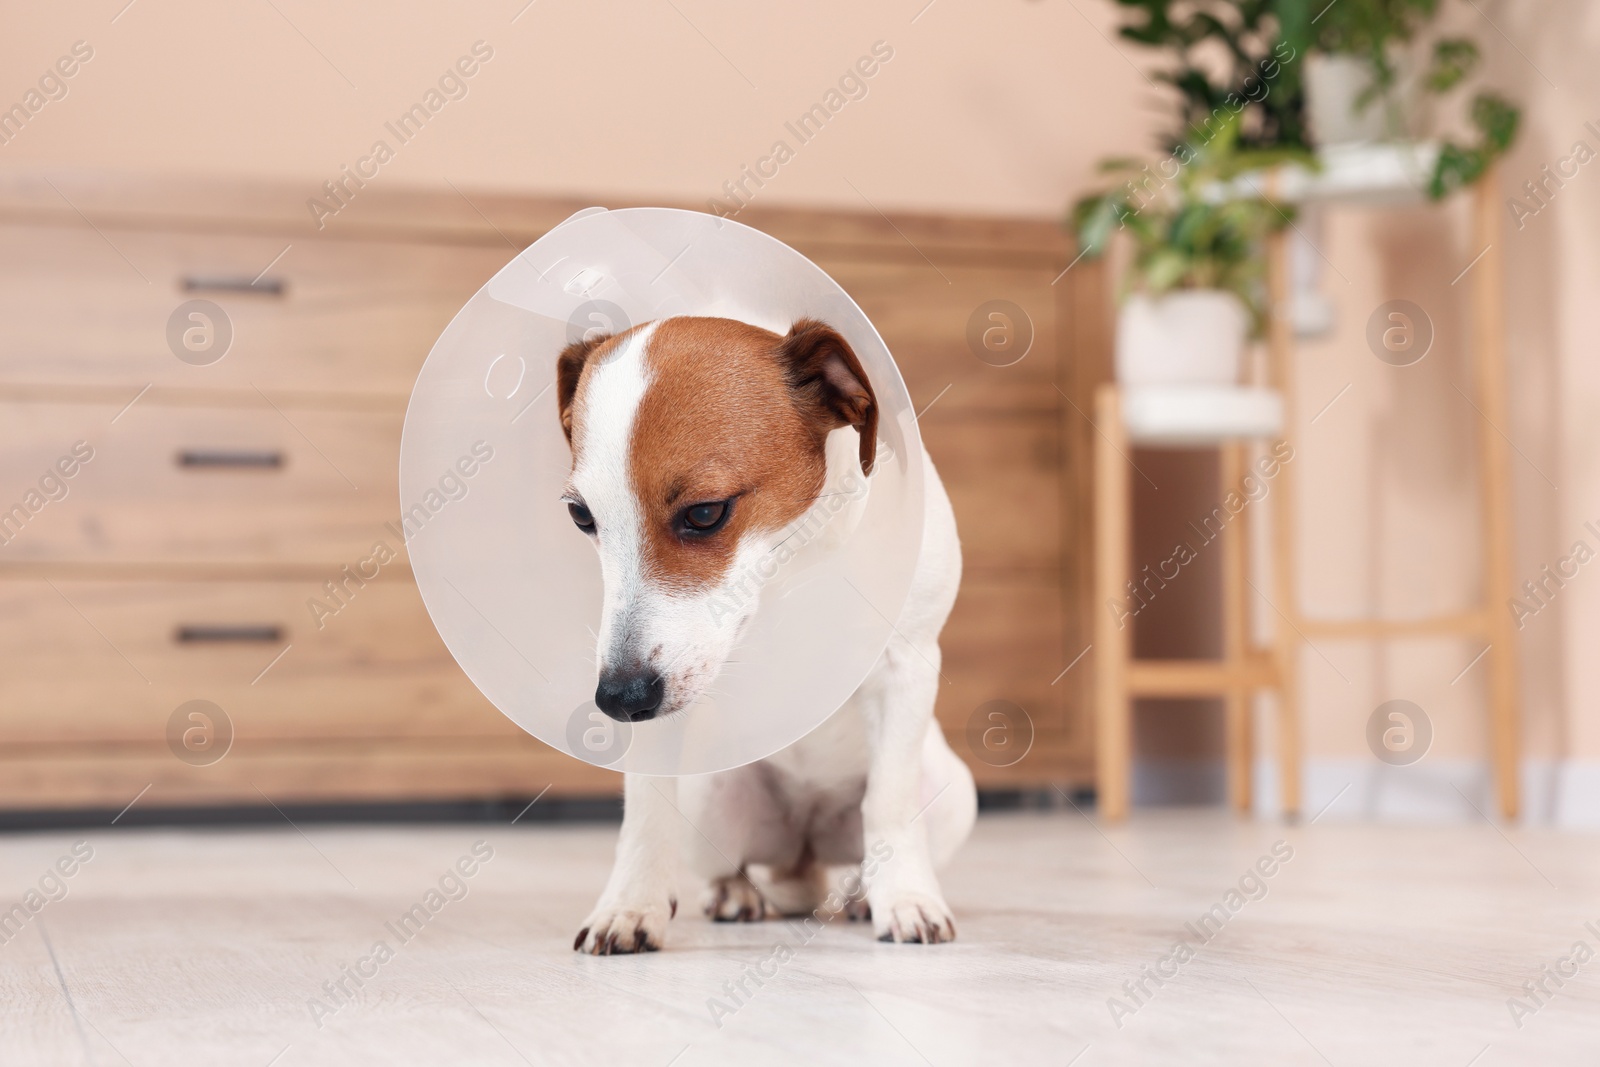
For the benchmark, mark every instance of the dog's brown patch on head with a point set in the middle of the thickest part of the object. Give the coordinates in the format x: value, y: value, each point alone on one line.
x: 736, y: 412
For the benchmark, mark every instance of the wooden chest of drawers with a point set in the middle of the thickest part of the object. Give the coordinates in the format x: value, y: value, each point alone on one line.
x: 211, y: 500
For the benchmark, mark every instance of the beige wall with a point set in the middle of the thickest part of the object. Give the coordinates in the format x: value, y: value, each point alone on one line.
x: 1554, y: 277
x: 998, y: 108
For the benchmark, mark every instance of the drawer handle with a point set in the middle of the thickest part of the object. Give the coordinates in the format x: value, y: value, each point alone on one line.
x: 266, y: 634
x: 214, y: 457
x: 234, y: 283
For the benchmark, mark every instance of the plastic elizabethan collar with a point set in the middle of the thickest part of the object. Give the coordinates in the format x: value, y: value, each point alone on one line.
x: 515, y: 590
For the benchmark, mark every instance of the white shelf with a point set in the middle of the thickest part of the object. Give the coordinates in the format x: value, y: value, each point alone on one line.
x: 1199, y: 415
x: 1374, y: 173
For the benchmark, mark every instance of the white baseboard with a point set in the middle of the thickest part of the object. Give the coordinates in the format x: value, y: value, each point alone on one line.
x: 1554, y: 793
x: 1577, y: 794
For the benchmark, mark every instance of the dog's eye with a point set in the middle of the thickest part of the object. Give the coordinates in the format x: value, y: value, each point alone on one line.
x: 705, y: 518
x: 580, y: 516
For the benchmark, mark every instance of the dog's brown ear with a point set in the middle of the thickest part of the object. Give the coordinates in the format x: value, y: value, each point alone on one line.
x: 569, y: 368
x: 829, y: 385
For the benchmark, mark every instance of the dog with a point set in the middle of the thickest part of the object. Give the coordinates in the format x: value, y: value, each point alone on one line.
x: 695, y: 441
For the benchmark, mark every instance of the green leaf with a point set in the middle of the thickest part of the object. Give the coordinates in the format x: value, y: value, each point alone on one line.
x: 1457, y: 167
x: 1163, y: 269
x: 1094, y: 219
x: 1115, y: 164
x: 1453, y: 59
x: 1497, y: 119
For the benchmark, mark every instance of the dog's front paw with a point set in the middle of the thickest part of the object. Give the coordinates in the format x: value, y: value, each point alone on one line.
x: 735, y: 899
x: 914, y: 917
x: 612, y: 930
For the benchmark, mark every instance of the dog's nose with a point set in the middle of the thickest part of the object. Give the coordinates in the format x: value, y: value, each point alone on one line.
x: 631, y: 695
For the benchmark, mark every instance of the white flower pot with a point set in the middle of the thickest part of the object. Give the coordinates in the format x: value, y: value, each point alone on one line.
x: 1186, y: 337
x: 1333, y: 85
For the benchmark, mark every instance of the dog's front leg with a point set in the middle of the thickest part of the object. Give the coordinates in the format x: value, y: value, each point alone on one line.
x: 902, y: 890
x: 633, y: 911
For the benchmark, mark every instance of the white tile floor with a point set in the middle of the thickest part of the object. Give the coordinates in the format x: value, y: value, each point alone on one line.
x: 1371, y: 945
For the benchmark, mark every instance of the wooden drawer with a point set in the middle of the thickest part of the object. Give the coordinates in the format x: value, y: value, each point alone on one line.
x: 1004, y: 641
x: 110, y: 776
x: 1004, y: 479
x: 327, y: 316
x: 197, y: 484
x: 109, y: 662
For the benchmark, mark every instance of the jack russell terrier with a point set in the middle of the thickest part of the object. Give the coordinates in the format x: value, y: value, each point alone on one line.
x: 695, y: 443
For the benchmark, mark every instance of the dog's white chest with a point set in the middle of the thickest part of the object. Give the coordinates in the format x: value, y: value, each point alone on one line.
x: 833, y: 758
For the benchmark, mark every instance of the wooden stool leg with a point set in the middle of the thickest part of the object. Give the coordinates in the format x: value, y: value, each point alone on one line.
x: 1286, y: 656
x: 1240, y: 741
x: 1113, y: 647
x: 1495, y: 493
x: 1286, y: 644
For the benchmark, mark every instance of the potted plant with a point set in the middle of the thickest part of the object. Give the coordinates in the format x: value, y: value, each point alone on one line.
x: 1191, y: 295
x: 1356, y: 84
x: 1231, y: 58
x: 1274, y: 62
x: 1357, y: 89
